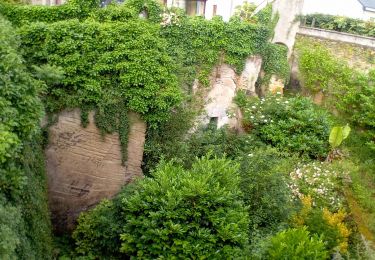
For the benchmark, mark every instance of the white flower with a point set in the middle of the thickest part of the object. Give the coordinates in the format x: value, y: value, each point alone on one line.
x: 250, y: 155
x: 265, y: 120
x: 286, y: 102
x: 253, y: 107
x: 252, y: 117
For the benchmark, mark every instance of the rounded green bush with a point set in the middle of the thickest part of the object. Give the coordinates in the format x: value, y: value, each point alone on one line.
x: 294, y: 124
x: 181, y: 214
x: 293, y: 244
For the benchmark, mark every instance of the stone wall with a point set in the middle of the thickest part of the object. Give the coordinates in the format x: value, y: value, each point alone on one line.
x: 338, y: 36
x: 83, y: 167
x: 224, y: 84
x: 287, y: 26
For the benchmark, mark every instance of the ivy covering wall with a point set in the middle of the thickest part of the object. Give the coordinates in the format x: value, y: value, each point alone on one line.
x: 24, y: 219
x: 111, y: 58
x: 348, y: 90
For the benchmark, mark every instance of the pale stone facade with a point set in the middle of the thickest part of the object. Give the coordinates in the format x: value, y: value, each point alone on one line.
x: 225, y: 82
x: 83, y: 167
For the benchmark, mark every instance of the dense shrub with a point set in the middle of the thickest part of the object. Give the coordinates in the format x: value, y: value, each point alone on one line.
x: 264, y: 185
x: 171, y: 141
x: 340, y: 24
x: 290, y: 124
x: 186, y: 214
x: 98, y: 231
x: 296, y: 244
x: 320, y: 221
x: 176, y: 213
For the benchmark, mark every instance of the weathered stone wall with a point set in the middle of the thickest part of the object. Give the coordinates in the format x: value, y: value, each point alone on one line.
x: 287, y: 26
x: 338, y: 36
x: 83, y: 167
x: 224, y: 83
x: 357, y: 56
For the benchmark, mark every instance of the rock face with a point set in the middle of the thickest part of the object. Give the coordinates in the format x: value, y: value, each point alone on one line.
x: 84, y: 167
x: 250, y: 74
x: 219, y: 106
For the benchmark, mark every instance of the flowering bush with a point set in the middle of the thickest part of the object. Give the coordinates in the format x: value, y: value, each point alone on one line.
x: 329, y: 225
x: 319, y: 181
x: 290, y: 124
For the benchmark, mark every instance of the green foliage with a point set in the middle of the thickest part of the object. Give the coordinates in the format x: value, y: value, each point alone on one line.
x: 25, y: 229
x: 245, y: 12
x: 340, y: 24
x: 350, y: 91
x: 171, y: 141
x: 153, y: 9
x: 175, y: 214
x: 197, y: 45
x: 296, y: 244
x: 275, y: 61
x: 9, y: 240
x: 338, y: 134
x: 290, y: 124
x: 24, y: 14
x: 98, y: 231
x: 186, y: 214
x: 329, y: 226
x: 20, y: 110
x: 264, y: 185
x: 105, y: 64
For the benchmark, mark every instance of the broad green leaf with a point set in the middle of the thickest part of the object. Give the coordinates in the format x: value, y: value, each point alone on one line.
x: 336, y: 136
x: 345, y: 132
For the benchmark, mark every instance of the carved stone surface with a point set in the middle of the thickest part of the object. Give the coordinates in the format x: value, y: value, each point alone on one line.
x: 250, y: 74
x: 84, y: 167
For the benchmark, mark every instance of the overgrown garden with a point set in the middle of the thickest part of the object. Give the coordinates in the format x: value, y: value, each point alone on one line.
x: 274, y: 191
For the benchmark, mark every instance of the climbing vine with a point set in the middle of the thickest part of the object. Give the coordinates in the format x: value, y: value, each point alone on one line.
x: 112, y: 57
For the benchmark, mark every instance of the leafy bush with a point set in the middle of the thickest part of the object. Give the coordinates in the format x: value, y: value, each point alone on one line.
x: 176, y: 213
x: 264, y: 185
x: 98, y: 231
x: 340, y: 24
x: 186, y: 214
x: 296, y: 244
x: 24, y: 220
x: 330, y: 226
x: 172, y: 140
x: 290, y: 124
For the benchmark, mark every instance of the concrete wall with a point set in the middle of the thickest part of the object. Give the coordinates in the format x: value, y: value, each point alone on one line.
x: 84, y: 167
x: 338, y: 36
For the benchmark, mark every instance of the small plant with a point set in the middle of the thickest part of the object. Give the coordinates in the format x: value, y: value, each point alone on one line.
x: 296, y: 243
x: 336, y: 137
